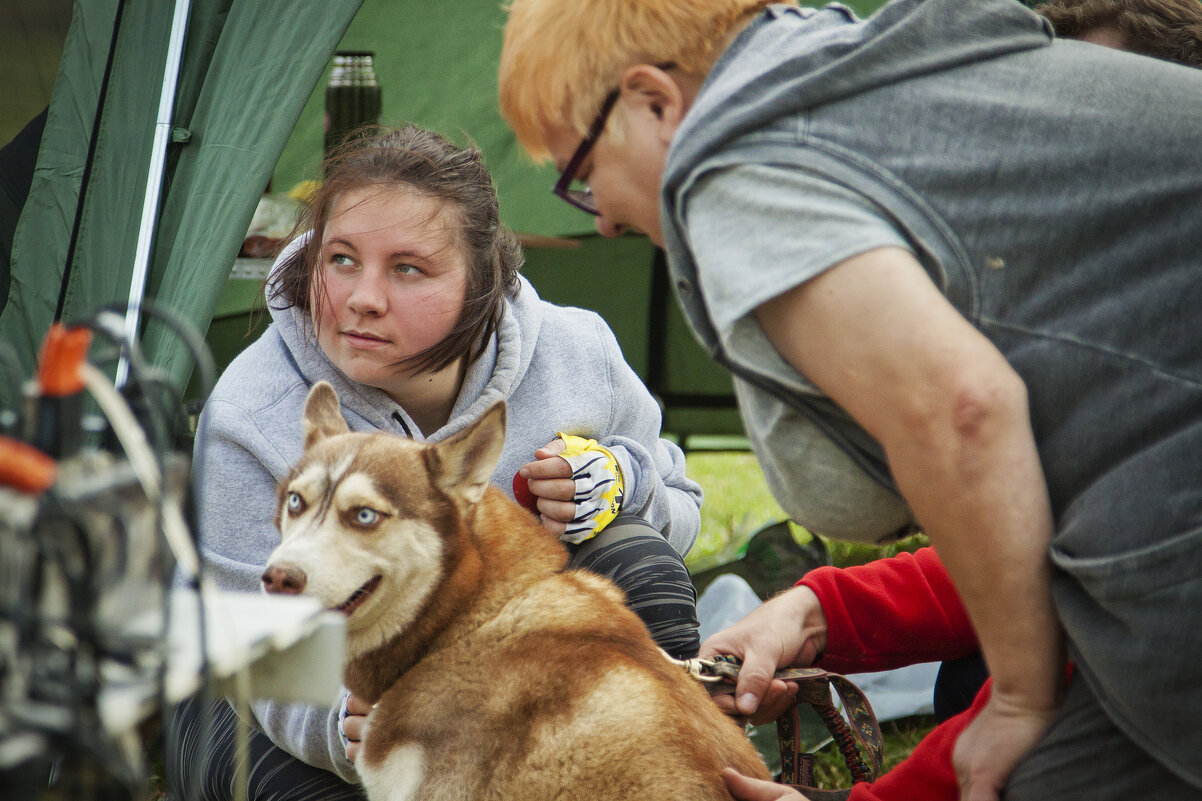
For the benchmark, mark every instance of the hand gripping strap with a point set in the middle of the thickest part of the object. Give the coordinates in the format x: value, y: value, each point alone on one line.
x: 599, y: 487
x: 856, y: 737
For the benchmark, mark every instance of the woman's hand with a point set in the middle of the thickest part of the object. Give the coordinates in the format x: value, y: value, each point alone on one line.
x: 787, y: 631
x: 353, y: 724
x: 549, y: 479
x: 577, y: 487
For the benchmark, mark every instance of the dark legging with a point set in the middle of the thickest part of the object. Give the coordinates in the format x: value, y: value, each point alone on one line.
x: 957, y: 684
x: 199, y: 761
x: 199, y: 746
x: 636, y: 557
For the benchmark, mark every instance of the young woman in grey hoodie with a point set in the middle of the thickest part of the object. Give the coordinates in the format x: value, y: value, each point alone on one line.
x: 404, y: 294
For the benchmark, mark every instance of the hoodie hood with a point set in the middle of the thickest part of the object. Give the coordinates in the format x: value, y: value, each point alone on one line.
x: 790, y: 59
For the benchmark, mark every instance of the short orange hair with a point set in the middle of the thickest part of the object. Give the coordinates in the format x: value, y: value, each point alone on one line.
x: 561, y: 57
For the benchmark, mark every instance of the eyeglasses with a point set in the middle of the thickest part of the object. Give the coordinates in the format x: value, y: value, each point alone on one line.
x: 583, y: 198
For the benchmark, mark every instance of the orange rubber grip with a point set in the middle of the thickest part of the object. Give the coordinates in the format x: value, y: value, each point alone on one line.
x: 63, y: 351
x: 24, y: 467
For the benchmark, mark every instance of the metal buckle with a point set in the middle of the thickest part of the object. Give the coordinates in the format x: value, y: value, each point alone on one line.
x: 710, y: 671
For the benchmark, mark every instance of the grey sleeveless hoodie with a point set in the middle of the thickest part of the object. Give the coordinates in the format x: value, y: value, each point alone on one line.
x: 1053, y: 192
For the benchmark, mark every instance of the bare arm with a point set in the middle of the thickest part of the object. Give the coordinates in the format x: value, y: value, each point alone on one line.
x: 876, y: 335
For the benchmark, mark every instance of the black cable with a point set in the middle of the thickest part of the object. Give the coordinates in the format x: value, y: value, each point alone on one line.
x: 87, y: 167
x: 201, y: 355
x: 133, y: 392
x: 157, y: 404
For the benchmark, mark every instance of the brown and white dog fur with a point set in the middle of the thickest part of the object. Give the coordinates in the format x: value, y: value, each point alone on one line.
x: 495, y: 672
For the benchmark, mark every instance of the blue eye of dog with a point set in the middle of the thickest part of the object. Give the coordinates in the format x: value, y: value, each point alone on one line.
x: 367, y: 517
x: 295, y: 502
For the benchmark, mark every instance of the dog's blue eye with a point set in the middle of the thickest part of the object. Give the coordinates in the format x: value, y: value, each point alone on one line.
x: 367, y: 517
x: 295, y: 502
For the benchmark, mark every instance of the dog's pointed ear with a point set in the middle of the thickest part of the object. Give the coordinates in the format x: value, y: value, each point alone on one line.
x: 462, y: 465
x: 322, y: 417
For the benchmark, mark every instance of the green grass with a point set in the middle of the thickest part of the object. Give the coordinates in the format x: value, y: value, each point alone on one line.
x: 900, y: 737
x: 737, y: 504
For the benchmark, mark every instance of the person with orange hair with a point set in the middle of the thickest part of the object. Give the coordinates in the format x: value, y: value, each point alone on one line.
x: 951, y: 261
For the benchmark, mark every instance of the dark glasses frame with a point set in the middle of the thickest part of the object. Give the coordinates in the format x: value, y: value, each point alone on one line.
x: 583, y: 198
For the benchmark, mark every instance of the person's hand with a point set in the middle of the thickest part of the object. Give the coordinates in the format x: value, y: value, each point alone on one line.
x: 787, y: 631
x: 549, y: 478
x: 745, y: 788
x: 577, y: 487
x: 353, y: 724
x: 989, y: 748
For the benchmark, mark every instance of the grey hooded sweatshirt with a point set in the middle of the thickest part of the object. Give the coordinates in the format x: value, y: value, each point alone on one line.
x: 557, y: 368
x: 1053, y: 192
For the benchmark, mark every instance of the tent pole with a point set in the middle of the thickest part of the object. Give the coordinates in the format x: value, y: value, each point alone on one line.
x: 154, y: 181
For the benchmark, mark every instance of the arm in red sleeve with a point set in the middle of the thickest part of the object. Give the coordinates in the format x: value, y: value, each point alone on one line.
x: 927, y: 773
x: 890, y: 613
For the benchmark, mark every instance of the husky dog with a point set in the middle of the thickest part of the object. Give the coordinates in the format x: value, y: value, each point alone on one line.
x: 495, y: 672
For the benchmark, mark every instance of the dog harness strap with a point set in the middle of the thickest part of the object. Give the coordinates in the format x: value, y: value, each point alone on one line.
x: 599, y: 487
x: 858, y: 734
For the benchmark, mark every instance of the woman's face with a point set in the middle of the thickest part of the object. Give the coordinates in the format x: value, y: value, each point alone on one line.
x: 392, y: 282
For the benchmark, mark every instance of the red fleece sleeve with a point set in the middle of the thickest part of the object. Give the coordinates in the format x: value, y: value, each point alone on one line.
x: 927, y: 773
x: 891, y: 613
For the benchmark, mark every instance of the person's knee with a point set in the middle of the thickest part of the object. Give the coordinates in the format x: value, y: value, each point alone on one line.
x: 625, y: 531
x: 653, y: 577
x: 630, y: 551
x: 957, y: 684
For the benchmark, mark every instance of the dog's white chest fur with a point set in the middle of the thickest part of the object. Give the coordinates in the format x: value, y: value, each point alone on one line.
x: 399, y: 777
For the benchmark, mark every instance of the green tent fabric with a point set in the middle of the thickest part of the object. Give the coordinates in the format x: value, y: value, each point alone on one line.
x: 248, y: 67
x: 437, y: 67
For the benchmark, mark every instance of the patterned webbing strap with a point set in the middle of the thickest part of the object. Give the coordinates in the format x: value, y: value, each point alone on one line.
x: 856, y: 737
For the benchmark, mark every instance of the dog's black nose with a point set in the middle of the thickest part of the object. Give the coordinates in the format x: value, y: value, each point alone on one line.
x: 284, y: 580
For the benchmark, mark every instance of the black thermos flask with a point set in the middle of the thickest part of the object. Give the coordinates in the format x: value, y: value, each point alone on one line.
x: 352, y: 97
